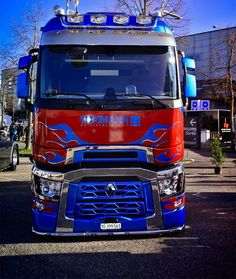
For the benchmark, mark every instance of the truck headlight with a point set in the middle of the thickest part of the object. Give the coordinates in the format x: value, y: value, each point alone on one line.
x: 49, y: 188
x: 171, y: 185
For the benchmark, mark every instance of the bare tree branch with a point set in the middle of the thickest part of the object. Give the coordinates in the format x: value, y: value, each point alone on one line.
x: 137, y: 7
x: 23, y: 36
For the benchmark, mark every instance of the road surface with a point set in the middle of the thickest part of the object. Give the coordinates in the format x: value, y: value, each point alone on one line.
x: 206, y: 249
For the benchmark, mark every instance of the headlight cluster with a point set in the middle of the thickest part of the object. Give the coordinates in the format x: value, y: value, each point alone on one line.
x: 171, y: 184
x: 48, y: 188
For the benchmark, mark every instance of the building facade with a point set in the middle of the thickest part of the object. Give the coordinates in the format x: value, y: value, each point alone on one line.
x: 10, y: 104
x: 212, y: 55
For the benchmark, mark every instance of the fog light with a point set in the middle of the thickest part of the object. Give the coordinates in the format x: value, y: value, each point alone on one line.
x: 39, y: 206
x: 178, y: 203
x: 173, y: 203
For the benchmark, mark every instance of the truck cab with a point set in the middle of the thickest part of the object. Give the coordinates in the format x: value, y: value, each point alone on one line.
x: 108, y: 125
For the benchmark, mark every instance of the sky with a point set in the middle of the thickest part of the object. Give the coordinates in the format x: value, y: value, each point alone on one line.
x: 204, y: 14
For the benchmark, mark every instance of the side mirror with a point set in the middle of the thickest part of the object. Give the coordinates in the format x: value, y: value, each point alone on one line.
x: 22, y: 86
x: 190, y: 86
x: 188, y: 64
x: 25, y: 62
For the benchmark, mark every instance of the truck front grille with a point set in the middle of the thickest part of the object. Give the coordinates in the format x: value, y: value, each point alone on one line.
x: 123, y: 190
x: 110, y: 209
x: 94, y: 199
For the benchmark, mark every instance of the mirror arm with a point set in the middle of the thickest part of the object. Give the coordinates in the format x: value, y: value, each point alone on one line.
x: 185, y: 99
x: 33, y: 51
x: 182, y: 54
x: 29, y: 106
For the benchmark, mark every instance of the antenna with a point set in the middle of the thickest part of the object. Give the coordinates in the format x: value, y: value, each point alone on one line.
x: 172, y: 14
x: 161, y: 13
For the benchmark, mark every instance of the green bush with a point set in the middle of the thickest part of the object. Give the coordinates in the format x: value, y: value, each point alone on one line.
x: 218, y: 157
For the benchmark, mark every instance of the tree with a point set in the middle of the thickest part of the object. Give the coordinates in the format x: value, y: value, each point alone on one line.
x: 217, y: 155
x: 151, y: 7
x: 7, y: 86
x: 228, y: 66
x: 24, y: 37
x: 223, y: 68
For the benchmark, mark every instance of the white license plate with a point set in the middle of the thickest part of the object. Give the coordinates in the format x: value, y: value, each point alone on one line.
x: 110, y: 226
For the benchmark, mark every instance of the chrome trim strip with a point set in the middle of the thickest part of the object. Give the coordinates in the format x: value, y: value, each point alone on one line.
x: 110, y: 27
x: 106, y: 37
x: 64, y: 224
x: 71, y: 151
x: 57, y: 176
x: 110, y: 233
x: 156, y: 221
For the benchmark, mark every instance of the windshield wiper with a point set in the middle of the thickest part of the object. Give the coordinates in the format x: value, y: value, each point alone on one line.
x: 156, y: 101
x: 75, y: 94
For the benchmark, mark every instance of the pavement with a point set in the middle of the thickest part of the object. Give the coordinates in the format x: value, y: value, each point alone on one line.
x: 21, y: 144
x: 199, y: 162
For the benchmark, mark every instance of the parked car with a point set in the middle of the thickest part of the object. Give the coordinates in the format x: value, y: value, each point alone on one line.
x: 9, y: 153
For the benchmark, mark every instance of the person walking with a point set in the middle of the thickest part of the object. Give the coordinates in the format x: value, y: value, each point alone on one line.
x: 14, y: 133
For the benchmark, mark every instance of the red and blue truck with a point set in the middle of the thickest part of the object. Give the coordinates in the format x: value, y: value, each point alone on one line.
x: 108, y: 125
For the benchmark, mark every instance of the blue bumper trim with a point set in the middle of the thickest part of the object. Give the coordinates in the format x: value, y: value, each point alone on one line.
x: 44, y: 222
x: 175, y: 218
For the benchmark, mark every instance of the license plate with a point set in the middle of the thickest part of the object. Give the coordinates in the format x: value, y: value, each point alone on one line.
x: 110, y: 226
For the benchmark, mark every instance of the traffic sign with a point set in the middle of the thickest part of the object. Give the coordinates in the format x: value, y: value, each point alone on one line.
x: 205, y: 104
x: 191, y: 137
x: 193, y: 122
x: 200, y: 105
x: 195, y: 104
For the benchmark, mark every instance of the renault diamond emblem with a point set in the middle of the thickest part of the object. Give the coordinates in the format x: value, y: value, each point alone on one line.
x: 110, y: 189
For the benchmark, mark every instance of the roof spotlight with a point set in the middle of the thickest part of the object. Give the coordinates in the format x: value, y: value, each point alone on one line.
x: 98, y: 19
x: 58, y: 10
x: 121, y: 19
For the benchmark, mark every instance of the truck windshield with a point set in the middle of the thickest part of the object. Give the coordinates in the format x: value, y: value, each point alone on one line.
x: 108, y: 72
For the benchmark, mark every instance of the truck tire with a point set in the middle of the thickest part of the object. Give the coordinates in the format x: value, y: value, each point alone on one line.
x: 14, y: 159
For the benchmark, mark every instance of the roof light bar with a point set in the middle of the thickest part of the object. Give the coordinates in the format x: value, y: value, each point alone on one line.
x: 98, y: 19
x: 115, y: 22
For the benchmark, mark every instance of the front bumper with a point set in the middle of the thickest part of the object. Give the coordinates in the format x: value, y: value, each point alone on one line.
x: 161, y: 221
x: 162, y: 231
